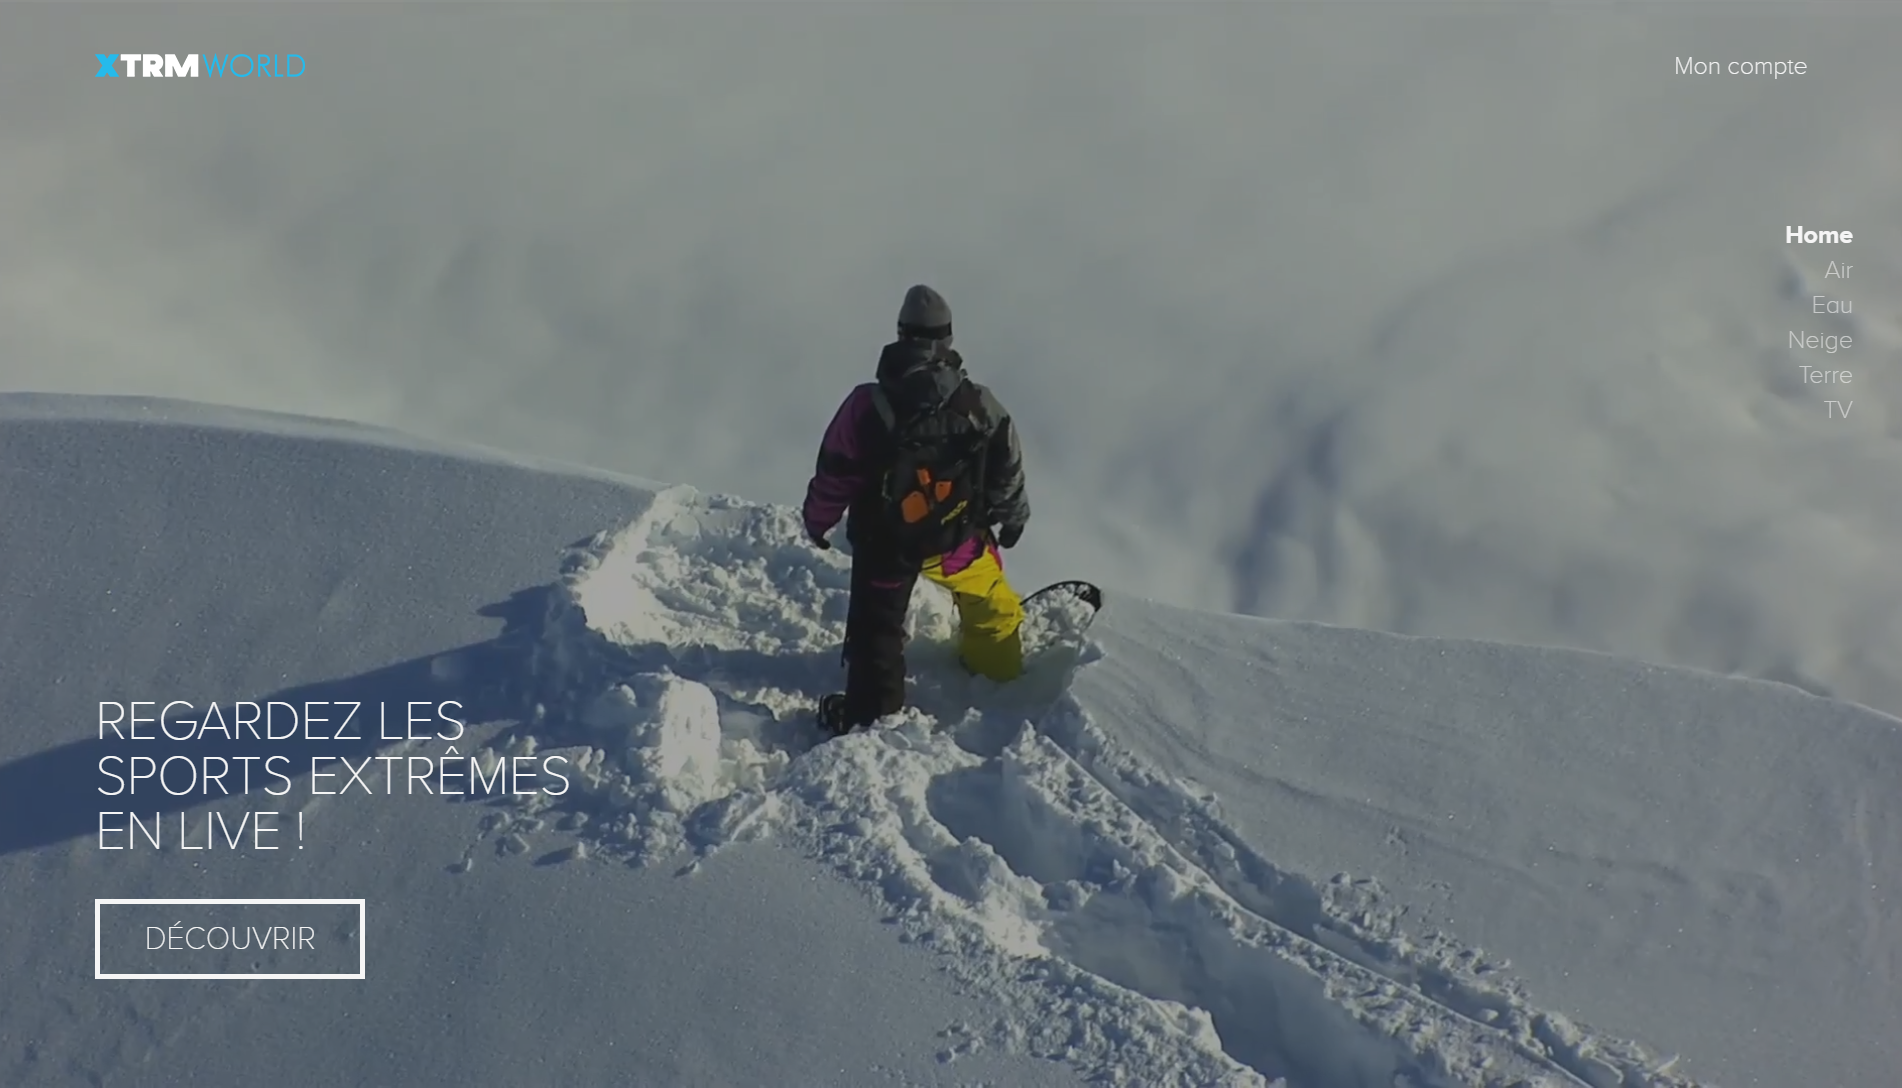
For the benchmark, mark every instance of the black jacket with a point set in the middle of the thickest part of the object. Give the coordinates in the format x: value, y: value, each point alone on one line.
x: 858, y: 446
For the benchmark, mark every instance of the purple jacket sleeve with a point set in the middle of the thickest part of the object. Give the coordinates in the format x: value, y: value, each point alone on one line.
x: 841, y: 473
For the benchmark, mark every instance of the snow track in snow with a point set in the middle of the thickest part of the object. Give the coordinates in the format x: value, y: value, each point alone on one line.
x: 1117, y: 923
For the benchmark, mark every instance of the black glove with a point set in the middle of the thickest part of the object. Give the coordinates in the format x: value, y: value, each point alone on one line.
x: 819, y: 541
x: 1007, y: 535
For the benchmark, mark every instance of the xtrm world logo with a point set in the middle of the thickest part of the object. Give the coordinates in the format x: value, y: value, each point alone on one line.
x: 216, y: 65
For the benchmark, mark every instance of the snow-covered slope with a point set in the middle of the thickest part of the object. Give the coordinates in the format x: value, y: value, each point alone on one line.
x: 1702, y: 862
x: 1186, y: 849
x: 159, y: 551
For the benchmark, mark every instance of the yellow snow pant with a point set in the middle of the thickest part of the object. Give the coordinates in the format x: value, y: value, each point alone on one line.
x: 989, y: 614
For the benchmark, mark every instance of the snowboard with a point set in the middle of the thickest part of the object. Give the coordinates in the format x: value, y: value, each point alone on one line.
x: 1055, y: 615
x: 1087, y: 592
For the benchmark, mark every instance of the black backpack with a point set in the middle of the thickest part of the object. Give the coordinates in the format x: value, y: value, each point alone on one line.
x: 931, y: 491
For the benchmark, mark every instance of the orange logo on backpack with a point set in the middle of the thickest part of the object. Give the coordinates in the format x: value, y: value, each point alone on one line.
x: 917, y: 503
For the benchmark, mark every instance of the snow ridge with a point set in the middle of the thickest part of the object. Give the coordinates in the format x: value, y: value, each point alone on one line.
x: 1107, y: 912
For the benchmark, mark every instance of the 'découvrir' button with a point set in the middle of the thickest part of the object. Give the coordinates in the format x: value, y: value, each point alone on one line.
x: 228, y: 938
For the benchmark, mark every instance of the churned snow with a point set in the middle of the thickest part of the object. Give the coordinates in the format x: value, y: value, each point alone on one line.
x: 1185, y: 849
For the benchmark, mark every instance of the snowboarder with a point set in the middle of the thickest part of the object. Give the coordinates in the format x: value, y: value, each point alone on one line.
x: 926, y: 467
